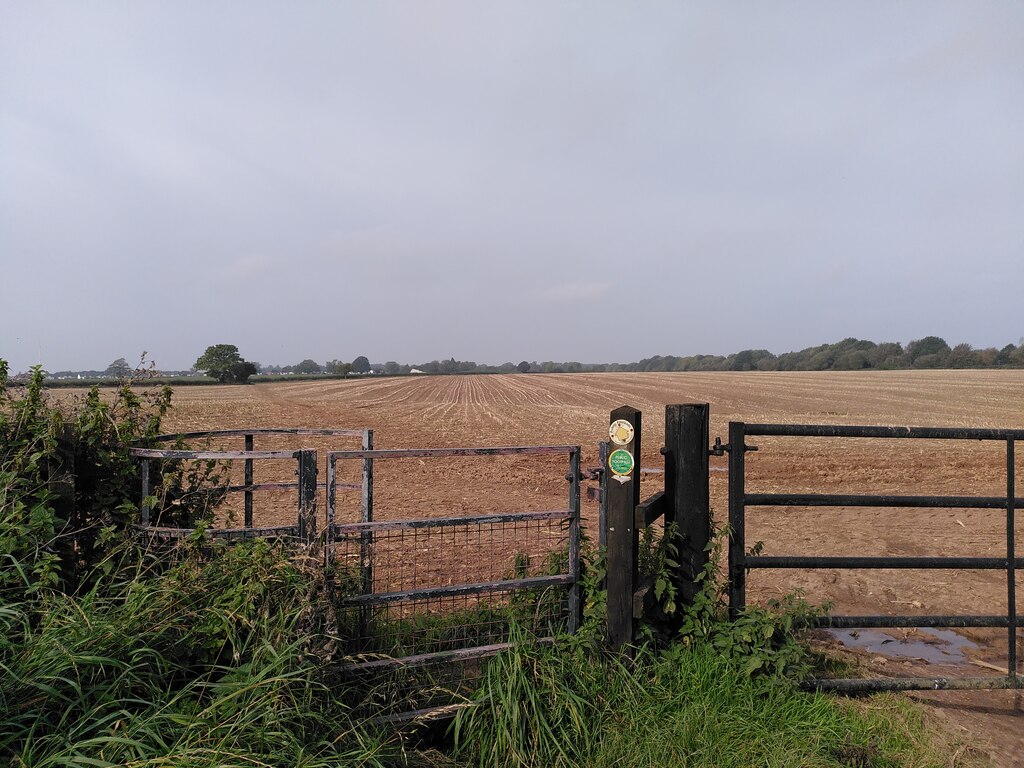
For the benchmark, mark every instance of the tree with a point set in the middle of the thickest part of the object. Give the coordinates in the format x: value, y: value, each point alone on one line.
x: 853, y: 360
x: 360, y: 365
x: 223, y: 363
x: 523, y: 367
x: 888, y: 355
x: 929, y: 345
x: 118, y: 369
x: 307, y: 366
x: 963, y: 356
x: 338, y: 368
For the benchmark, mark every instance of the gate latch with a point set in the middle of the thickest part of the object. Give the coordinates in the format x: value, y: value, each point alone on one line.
x: 720, y: 448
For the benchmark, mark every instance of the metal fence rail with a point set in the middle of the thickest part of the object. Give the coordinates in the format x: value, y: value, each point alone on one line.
x: 740, y: 562
x: 405, y: 564
x: 425, y: 600
x: 306, y: 484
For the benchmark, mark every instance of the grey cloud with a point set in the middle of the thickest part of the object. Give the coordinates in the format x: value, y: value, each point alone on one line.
x: 472, y: 176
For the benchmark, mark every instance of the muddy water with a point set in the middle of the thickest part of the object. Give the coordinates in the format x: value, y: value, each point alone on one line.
x: 935, y: 646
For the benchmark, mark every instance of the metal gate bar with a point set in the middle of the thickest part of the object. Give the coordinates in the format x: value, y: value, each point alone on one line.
x: 366, y: 532
x: 740, y: 562
x: 249, y: 484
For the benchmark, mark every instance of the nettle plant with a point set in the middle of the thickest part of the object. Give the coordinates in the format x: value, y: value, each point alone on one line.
x: 763, y: 641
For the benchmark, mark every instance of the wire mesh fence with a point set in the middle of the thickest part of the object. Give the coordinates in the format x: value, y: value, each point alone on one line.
x: 427, y: 600
x: 422, y: 586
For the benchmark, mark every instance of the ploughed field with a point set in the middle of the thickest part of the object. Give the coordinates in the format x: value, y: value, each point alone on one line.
x: 564, y: 409
x: 557, y: 409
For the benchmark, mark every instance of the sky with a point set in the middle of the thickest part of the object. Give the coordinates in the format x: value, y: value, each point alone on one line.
x: 498, y: 181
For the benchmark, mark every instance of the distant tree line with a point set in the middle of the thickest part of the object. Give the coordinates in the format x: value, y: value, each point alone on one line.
x: 846, y: 355
x: 223, y: 362
x: 336, y: 367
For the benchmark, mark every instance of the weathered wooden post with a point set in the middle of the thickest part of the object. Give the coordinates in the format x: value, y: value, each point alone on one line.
x: 575, y: 603
x: 686, y: 490
x: 623, y: 489
x: 145, y: 486
x: 247, y: 518
x: 366, y: 536
x: 307, y: 495
x: 332, y: 500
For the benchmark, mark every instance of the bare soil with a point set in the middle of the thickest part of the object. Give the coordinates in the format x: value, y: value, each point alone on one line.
x: 557, y: 409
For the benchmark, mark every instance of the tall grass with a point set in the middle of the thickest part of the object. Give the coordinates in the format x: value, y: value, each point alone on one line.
x: 686, y: 706
x: 210, y: 663
x: 225, y: 662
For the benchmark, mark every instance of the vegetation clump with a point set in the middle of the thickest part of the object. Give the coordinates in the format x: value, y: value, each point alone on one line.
x: 684, y: 705
x: 218, y: 660
x: 698, y: 691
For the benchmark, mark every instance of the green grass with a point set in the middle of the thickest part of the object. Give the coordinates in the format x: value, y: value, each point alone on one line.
x: 226, y: 661
x: 688, y: 706
x: 207, y: 664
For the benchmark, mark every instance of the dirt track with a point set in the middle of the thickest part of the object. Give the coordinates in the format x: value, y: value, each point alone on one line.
x: 573, y: 409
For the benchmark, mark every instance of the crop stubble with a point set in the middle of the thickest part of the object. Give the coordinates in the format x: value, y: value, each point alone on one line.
x: 460, y: 411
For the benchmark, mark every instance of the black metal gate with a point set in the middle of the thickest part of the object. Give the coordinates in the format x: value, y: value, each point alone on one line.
x: 740, y: 561
x: 426, y: 598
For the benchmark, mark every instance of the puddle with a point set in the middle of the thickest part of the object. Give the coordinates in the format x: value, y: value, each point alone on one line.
x: 935, y: 646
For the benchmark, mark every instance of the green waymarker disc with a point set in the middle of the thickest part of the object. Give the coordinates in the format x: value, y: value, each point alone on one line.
x: 620, y: 462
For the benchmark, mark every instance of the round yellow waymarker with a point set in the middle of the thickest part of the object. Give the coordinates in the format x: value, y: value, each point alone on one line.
x: 621, y: 432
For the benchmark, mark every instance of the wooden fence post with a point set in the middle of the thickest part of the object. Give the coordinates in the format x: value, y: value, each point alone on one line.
x: 145, y: 487
x: 61, y: 481
x: 332, y: 500
x: 307, y: 496
x: 249, y: 480
x: 686, y: 489
x: 575, y: 602
x: 623, y: 489
x: 366, y: 516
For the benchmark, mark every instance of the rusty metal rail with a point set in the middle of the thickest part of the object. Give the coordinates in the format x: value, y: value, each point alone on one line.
x: 257, y: 432
x: 414, y: 453
x: 306, y: 486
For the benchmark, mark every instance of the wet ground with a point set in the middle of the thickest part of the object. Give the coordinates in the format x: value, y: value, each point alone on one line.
x: 935, y: 646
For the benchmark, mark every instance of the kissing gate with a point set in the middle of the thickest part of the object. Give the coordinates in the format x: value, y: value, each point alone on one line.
x: 415, y: 594
x: 420, y: 600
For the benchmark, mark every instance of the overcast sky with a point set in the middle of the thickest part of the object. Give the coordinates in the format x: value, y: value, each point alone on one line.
x: 497, y: 181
